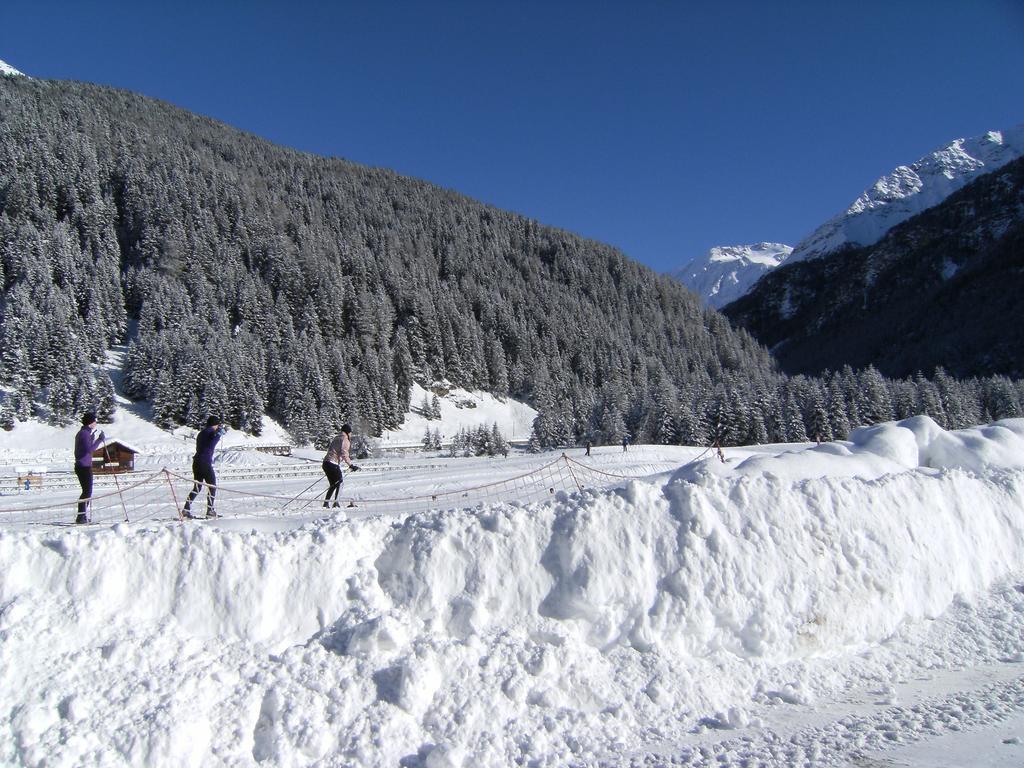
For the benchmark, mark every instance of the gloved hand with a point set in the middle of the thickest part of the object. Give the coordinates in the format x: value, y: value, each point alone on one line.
x: 101, y: 437
x: 354, y: 467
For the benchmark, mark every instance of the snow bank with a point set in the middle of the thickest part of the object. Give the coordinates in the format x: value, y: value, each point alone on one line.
x: 872, y: 452
x: 558, y: 633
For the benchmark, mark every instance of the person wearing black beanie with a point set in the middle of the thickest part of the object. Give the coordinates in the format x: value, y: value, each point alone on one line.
x: 337, y: 452
x: 86, y: 441
x: 202, y: 466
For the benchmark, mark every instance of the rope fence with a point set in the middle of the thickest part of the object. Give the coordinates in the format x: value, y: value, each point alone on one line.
x: 163, y: 495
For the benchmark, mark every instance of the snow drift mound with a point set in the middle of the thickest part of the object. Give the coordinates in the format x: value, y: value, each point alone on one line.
x: 561, y: 631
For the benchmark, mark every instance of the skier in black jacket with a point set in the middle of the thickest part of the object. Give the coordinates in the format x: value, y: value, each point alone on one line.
x: 202, y: 466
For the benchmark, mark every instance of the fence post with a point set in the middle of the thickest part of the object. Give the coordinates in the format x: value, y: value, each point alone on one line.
x: 167, y: 476
x: 121, y: 497
x: 572, y: 474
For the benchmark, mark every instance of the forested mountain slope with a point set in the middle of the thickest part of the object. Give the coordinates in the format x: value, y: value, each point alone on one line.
x: 248, y: 277
x: 945, y: 288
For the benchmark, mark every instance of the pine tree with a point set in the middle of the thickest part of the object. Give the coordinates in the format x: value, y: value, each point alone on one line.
x: 1001, y: 398
x: 820, y: 428
x: 164, y: 412
x: 60, y: 402
x: 498, y: 441
x: 404, y: 369
x: 904, y: 400
x: 497, y: 367
x: 758, y: 432
x: 875, y: 400
x: 953, y: 405
x: 793, y: 421
x: 105, y: 402
x: 534, y: 444
x: 929, y: 400
x: 835, y: 403
x: 7, y: 421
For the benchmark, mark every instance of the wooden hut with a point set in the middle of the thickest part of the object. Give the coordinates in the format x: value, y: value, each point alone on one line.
x: 115, y: 457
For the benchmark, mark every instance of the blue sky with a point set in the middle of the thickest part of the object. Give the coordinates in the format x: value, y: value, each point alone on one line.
x: 661, y: 127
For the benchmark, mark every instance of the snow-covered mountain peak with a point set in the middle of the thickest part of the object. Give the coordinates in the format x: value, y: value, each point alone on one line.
x: 727, y: 272
x: 911, y: 189
x: 7, y: 69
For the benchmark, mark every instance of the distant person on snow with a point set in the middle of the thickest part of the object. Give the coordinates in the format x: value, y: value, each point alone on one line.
x: 202, y: 466
x: 588, y: 447
x: 337, y: 452
x: 625, y: 444
x: 86, y: 442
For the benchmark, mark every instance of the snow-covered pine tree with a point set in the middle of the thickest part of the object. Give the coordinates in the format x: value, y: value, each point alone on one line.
x: 820, y: 428
x: 904, y: 399
x: 1001, y: 398
x: 951, y: 397
x: 105, y: 402
x: 875, y: 400
x: 757, y: 433
x: 7, y: 420
x: 793, y: 421
x: 497, y: 367
x: 929, y: 400
x: 60, y: 402
x: 403, y: 368
x: 498, y: 441
x: 534, y: 445
x: 835, y: 404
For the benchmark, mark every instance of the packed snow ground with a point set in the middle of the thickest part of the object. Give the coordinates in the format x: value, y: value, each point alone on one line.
x: 857, y: 602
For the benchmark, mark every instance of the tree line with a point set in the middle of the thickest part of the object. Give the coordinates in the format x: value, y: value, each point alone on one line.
x: 738, y: 411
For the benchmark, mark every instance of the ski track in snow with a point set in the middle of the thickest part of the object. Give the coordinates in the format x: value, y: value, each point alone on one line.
x: 857, y: 603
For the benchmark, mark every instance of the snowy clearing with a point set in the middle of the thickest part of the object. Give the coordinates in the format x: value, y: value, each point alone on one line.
x: 853, y: 603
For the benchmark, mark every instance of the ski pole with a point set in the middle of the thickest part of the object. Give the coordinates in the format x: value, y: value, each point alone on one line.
x: 312, y: 498
x: 304, y: 491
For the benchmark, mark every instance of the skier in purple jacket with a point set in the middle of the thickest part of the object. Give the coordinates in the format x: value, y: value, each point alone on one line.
x: 86, y: 441
x: 202, y: 466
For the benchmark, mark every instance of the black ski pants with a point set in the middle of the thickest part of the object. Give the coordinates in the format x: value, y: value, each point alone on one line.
x: 84, y: 475
x: 202, y: 472
x: 333, y: 472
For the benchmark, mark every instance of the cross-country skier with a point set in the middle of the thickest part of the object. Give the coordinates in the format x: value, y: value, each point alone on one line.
x: 202, y: 466
x: 337, y: 452
x: 86, y: 441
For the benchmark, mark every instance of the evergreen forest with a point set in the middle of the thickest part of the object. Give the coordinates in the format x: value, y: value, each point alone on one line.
x: 243, y: 278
